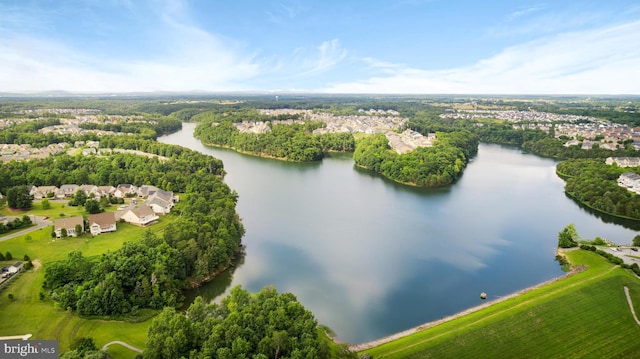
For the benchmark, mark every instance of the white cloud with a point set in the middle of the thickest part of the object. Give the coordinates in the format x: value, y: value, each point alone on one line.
x: 524, y: 12
x: 600, y: 61
x: 192, y: 59
x: 328, y: 55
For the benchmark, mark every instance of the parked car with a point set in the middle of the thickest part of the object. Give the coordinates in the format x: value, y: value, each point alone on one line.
x: 634, y: 249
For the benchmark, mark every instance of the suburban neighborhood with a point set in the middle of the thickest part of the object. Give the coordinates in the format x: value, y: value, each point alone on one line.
x: 145, y: 206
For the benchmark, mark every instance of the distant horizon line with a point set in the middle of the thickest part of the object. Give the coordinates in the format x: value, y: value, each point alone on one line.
x: 192, y: 93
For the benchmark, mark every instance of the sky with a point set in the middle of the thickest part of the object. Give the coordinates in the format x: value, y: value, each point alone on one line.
x: 321, y: 46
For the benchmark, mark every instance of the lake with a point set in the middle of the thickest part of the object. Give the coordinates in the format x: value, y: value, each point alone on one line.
x: 370, y: 257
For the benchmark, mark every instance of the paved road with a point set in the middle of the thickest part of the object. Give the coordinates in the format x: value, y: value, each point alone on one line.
x: 623, y: 254
x: 40, y: 223
x: 131, y: 347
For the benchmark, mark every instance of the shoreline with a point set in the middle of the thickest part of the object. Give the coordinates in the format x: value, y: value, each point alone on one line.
x: 255, y: 154
x: 421, y: 327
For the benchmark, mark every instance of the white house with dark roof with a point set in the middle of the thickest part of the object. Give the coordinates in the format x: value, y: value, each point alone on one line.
x: 141, y: 215
x: 102, y: 223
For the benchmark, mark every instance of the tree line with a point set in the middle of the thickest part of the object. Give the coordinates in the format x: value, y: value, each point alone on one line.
x: 258, y: 326
x: 293, y: 142
x: 594, y: 183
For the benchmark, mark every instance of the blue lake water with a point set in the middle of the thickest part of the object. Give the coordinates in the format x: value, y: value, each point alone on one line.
x: 371, y: 257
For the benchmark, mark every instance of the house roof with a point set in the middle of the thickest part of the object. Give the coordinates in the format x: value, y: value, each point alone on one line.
x: 69, y: 187
x: 102, y: 219
x: 147, y: 190
x: 159, y: 201
x: 46, y: 189
x: 106, y: 189
x: 163, y: 195
x: 142, y: 211
x: 68, y: 222
x: 88, y: 187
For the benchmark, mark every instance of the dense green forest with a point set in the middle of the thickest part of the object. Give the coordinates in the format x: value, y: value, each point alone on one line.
x: 434, y: 166
x: 594, y: 183
x: 259, y: 326
x: 203, y: 240
x: 289, y: 142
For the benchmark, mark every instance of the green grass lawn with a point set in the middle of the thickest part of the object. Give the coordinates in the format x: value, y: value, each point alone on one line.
x: 586, y: 315
x: 58, y: 207
x: 28, y: 314
x: 120, y: 352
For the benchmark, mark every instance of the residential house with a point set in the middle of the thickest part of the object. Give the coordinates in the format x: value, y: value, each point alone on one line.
x: 67, y: 190
x: 90, y: 190
x: 69, y: 224
x: 43, y: 191
x: 89, y: 151
x: 141, y: 215
x: 161, y: 201
x: 624, y: 161
x: 146, y: 190
x: 106, y: 191
x: 630, y: 181
x: 102, y: 223
x: 124, y: 190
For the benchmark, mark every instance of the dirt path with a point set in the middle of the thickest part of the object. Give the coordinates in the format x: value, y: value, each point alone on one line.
x: 36, y: 264
x: 131, y: 347
x: 633, y: 311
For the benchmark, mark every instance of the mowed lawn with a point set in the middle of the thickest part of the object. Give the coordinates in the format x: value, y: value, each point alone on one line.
x: 584, y: 316
x: 28, y: 314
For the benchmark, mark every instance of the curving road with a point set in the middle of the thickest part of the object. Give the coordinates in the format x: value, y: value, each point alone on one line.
x: 40, y: 223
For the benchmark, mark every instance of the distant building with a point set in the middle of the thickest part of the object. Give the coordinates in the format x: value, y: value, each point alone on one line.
x: 630, y: 181
x: 624, y: 161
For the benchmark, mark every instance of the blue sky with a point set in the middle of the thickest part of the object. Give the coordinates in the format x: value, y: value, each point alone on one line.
x: 382, y: 46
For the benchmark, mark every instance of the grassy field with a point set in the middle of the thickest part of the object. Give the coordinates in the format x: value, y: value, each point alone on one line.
x: 28, y: 314
x: 58, y: 207
x: 583, y: 316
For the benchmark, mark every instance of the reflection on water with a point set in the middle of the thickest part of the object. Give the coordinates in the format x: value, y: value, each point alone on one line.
x: 214, y: 288
x: 370, y: 257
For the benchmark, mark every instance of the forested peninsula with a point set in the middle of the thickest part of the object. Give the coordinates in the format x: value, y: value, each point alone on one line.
x: 434, y: 166
x: 594, y: 184
x: 439, y: 165
x: 151, y: 272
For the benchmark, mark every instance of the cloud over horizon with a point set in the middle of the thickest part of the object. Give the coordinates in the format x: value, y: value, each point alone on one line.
x: 174, y: 45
